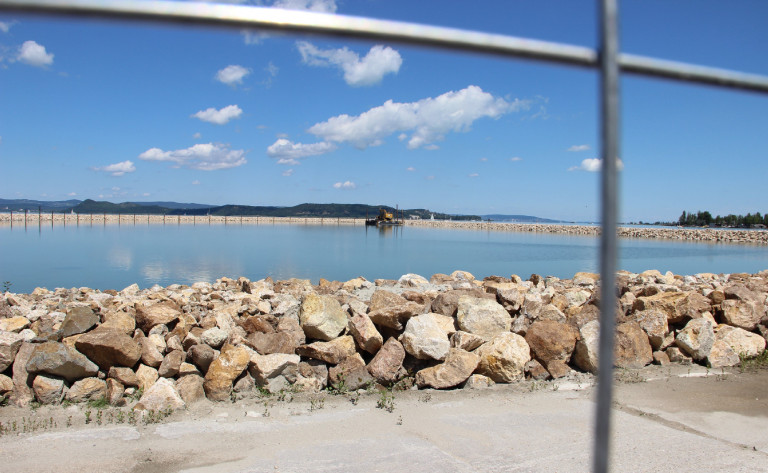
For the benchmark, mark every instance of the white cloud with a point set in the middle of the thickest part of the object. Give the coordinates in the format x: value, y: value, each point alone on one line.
x: 203, y: 156
x: 579, y: 148
x: 117, y: 169
x: 410, y: 168
x: 197, y: 136
x: 346, y: 185
x: 594, y: 165
x: 5, y: 26
x: 483, y: 160
x: 232, y: 74
x: 219, y: 117
x: 288, y: 152
x: 146, y: 194
x: 474, y: 174
x: 195, y: 182
x: 427, y: 120
x: 515, y: 159
x: 34, y: 54
x: 288, y: 173
x: 271, y: 69
x: 370, y: 70
x: 72, y: 194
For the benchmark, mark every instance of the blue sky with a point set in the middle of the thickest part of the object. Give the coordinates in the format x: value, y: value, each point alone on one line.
x: 144, y: 112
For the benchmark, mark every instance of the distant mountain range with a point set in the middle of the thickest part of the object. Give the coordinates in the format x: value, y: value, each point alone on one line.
x: 520, y: 219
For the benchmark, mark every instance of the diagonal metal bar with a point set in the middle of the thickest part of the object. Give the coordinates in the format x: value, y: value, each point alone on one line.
x: 609, y: 118
x: 251, y: 17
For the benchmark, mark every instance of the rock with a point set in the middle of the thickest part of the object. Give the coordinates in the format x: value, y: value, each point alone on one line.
x: 365, y: 334
x: 202, y: 356
x: 744, y: 314
x: 585, y: 279
x: 22, y: 379
x: 350, y: 374
x: 696, y: 338
x: 147, y: 376
x: 412, y: 280
x: 120, y: 321
x: 478, y: 381
x: 275, y: 371
x: 214, y: 337
x: 722, y: 355
x: 660, y: 358
x: 115, y: 391
x: 321, y: 317
x: 654, y: 323
x: 456, y: 368
x: 511, y: 298
x: 109, y: 348
x: 87, y: 389
x: 333, y: 352
x: 187, y: 369
x: 264, y: 323
x: 268, y: 343
x: 14, y: 324
x: 313, y: 376
x: 424, y: 339
x: 387, y: 365
x: 125, y: 376
x: 677, y: 356
x: 169, y: 368
x: 632, y: 350
x: 551, y: 312
x: 483, y: 317
x: 744, y: 344
x: 161, y: 396
x: 79, y: 319
x: 10, y: 342
x: 503, y: 358
x: 551, y: 341
x: 388, y: 309
x: 558, y: 369
x: 465, y: 340
x: 536, y: 370
x: 6, y: 384
x: 447, y: 303
x: 60, y: 360
x: 190, y: 388
x: 679, y: 307
x: 585, y: 355
x: 150, y: 314
x: 47, y: 389
x: 230, y: 364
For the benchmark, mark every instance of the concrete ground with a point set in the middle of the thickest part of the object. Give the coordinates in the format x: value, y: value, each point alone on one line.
x: 675, y: 419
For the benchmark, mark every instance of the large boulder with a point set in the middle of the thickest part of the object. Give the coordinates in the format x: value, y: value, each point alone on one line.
x: 424, y: 338
x: 654, y: 322
x: 743, y: 313
x: 321, y: 317
x: 696, y: 338
x: 447, y: 303
x: 159, y: 313
x: 10, y: 342
x: 365, y: 333
x: 456, y: 368
x: 722, y: 355
x: 161, y: 396
x: 79, y: 319
x: 631, y: 346
x: 14, y: 324
x: 171, y: 364
x: 202, y: 356
x: 190, y: 388
x: 87, y: 389
x: 387, y: 365
x: 109, y: 348
x: 465, y: 340
x: 550, y: 341
x: 350, y: 374
x: 60, y: 360
x: 333, y: 352
x: 126, y: 376
x: 585, y: 354
x: 483, y: 317
x: 275, y: 371
x: 268, y: 343
x: 48, y: 389
x: 22, y: 379
x: 146, y: 376
x: 503, y: 358
x: 744, y: 344
x: 230, y: 364
x: 388, y: 309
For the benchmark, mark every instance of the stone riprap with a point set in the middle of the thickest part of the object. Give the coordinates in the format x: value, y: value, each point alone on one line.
x: 161, y: 348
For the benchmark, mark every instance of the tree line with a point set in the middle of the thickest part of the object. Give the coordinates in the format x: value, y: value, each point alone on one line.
x: 701, y: 219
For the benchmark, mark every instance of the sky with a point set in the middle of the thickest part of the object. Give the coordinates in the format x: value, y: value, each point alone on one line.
x: 147, y: 112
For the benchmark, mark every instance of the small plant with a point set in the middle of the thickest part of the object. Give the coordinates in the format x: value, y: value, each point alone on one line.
x: 426, y: 397
x: 754, y: 363
x: 98, y: 416
x: 99, y: 403
x: 266, y: 409
x: 386, y: 401
x: 264, y: 392
x: 7, y: 286
x: 316, y: 403
x: 69, y: 421
x: 339, y: 388
x: 354, y: 398
x: 399, y: 420
x: 87, y: 416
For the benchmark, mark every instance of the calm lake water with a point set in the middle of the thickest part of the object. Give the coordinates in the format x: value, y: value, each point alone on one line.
x: 113, y: 257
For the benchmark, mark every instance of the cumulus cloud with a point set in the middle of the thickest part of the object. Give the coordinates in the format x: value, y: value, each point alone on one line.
x: 426, y: 120
x: 5, y: 26
x: 515, y: 159
x: 370, y: 70
x: 117, y: 169
x: 34, y: 54
x: 594, y: 165
x: 232, y: 74
x: 219, y: 117
x: 203, y: 156
x: 579, y: 148
x: 346, y: 185
x: 288, y: 173
x: 474, y: 174
x: 288, y: 152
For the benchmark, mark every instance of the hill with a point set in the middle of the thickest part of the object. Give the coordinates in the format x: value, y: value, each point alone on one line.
x: 520, y: 219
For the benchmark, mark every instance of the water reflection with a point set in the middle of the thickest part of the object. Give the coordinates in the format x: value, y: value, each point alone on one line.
x: 120, y: 258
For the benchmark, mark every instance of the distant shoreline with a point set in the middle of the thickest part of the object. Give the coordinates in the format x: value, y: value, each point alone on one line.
x: 705, y: 235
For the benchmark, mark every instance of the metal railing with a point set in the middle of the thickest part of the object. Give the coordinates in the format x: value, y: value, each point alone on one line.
x: 608, y: 60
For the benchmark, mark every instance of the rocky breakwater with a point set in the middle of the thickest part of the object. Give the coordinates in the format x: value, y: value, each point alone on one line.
x: 162, y: 348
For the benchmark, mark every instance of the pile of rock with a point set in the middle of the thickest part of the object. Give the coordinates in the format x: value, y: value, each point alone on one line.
x: 168, y: 347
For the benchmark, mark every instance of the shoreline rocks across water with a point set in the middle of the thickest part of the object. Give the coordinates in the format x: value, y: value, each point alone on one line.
x: 164, y: 348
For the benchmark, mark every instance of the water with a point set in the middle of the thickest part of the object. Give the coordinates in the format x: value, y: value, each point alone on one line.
x: 113, y: 257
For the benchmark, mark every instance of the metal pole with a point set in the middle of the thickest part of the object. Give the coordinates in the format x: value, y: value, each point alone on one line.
x: 609, y: 94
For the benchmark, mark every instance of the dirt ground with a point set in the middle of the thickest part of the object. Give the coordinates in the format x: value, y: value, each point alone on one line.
x: 679, y: 418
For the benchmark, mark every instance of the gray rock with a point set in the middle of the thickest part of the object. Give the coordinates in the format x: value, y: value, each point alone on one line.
x: 109, y: 348
x: 214, y: 337
x: 275, y: 371
x: 79, y: 319
x: 48, y: 389
x: 387, y: 366
x: 696, y: 338
x: 60, y: 360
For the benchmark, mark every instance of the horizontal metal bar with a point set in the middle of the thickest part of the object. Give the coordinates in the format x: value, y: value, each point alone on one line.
x: 262, y: 18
